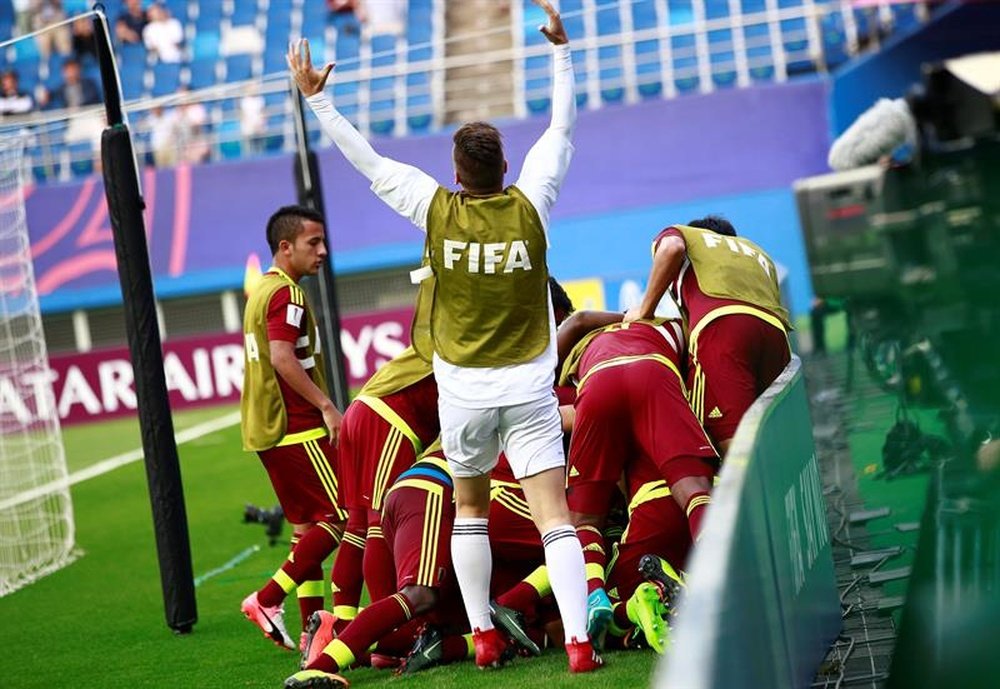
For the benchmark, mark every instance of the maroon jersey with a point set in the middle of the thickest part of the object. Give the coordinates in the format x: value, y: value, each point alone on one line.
x: 286, y: 322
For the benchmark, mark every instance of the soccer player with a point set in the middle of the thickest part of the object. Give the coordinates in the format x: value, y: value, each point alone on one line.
x: 286, y: 415
x: 727, y: 290
x: 630, y: 406
x: 417, y: 520
x: 485, y: 319
x: 387, y: 426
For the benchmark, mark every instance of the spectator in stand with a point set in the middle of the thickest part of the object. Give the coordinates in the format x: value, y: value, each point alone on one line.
x: 13, y: 101
x: 163, y: 35
x: 76, y: 90
x: 83, y: 39
x: 45, y: 13
x: 163, y: 128
x: 191, y: 120
x: 22, y: 16
x: 346, y: 15
x: 386, y: 17
x: 131, y: 21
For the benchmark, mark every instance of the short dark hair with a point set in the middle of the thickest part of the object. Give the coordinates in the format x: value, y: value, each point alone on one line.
x: 560, y: 300
x: 479, y: 156
x: 715, y: 223
x: 286, y: 223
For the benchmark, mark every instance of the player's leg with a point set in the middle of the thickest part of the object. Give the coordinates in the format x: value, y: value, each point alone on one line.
x: 303, y: 479
x: 470, y: 442
x: 346, y: 577
x: 532, y: 438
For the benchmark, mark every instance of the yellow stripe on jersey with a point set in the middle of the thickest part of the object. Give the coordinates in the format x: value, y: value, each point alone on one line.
x: 326, y: 476
x: 623, y: 360
x: 429, y: 542
x: 514, y: 503
x: 654, y: 490
x: 728, y: 310
x: 420, y: 483
x: 393, y: 419
x: 302, y: 437
x: 385, y: 461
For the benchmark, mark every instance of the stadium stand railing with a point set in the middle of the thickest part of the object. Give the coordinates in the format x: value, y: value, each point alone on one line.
x: 391, y: 83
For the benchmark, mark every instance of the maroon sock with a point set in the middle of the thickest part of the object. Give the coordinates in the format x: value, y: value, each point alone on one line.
x: 371, y: 624
x: 455, y: 648
x: 310, y: 593
x: 380, y: 572
x: 695, y: 509
x: 592, y: 541
x: 314, y: 546
x: 399, y: 642
x: 346, y: 578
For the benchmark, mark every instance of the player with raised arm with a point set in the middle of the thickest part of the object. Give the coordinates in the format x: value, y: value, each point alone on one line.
x: 486, y: 321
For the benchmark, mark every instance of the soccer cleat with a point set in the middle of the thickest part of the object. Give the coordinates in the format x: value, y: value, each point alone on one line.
x: 646, y: 610
x: 427, y: 651
x: 582, y: 656
x: 319, y: 633
x: 270, y: 620
x: 658, y: 571
x: 599, y: 613
x: 303, y: 643
x: 316, y: 679
x: 512, y: 622
x: 492, y: 649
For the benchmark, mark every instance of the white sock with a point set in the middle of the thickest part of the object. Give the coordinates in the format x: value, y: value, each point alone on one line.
x: 567, y: 574
x: 473, y: 563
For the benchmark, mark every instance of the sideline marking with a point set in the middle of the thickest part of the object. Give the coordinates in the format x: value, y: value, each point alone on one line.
x: 112, y: 463
x: 244, y: 554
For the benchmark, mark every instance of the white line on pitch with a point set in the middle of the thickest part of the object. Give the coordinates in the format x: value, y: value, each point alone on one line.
x: 231, y: 564
x: 112, y: 463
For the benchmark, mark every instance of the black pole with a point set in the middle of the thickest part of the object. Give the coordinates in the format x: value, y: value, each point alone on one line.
x: 307, y: 182
x: 163, y: 472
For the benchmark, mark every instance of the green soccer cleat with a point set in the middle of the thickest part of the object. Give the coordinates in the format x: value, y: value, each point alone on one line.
x: 647, y: 611
x: 599, y: 614
x: 512, y: 623
x: 658, y: 571
x: 316, y: 679
x: 427, y: 651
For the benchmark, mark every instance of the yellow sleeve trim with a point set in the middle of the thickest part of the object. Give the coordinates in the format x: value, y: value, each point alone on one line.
x: 429, y: 486
x: 302, y: 437
x: 393, y: 419
x: 654, y: 490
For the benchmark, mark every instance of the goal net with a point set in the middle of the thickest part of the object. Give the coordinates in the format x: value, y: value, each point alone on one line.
x: 36, y: 514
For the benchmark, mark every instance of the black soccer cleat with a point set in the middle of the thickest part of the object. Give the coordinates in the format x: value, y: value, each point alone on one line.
x: 512, y: 623
x: 427, y: 651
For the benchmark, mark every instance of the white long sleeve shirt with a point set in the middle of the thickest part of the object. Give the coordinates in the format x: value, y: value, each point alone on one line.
x: 409, y: 191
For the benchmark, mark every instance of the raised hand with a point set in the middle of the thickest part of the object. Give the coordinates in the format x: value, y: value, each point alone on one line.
x: 555, y: 31
x: 309, y: 79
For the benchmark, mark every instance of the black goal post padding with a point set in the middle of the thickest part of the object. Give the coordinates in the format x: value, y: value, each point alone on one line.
x: 125, y: 206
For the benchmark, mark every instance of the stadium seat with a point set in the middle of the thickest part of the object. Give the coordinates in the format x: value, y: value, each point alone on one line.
x: 203, y: 73
x: 274, y: 140
x: 205, y: 45
x: 166, y: 78
x: 230, y: 146
x: 132, y: 75
x: 209, y: 17
x: 239, y: 67
x: 132, y: 53
x: 81, y: 158
x: 245, y: 13
x: 609, y: 57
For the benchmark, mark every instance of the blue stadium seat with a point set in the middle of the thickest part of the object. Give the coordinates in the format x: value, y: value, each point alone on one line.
x: 274, y: 140
x: 833, y: 39
x: 686, y: 77
x: 722, y: 57
x: 132, y: 75
x: 205, y: 45
x: 382, y: 90
x: 26, y: 50
x: 609, y: 57
x: 239, y: 67
x: 44, y: 165
x: 274, y: 59
x: 132, y: 53
x: 245, y: 12
x: 166, y: 78
x: 203, y: 73
x: 647, y: 52
x: 230, y: 146
x: 209, y: 17
x: 81, y: 158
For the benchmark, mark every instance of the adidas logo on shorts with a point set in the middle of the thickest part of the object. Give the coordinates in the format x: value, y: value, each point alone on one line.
x: 715, y: 413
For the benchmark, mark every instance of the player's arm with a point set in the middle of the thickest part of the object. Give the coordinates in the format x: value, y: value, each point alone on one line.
x: 579, y: 324
x: 406, y: 189
x: 287, y: 365
x: 547, y: 162
x: 667, y: 260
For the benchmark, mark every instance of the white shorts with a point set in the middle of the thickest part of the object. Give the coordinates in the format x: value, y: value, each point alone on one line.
x: 530, y: 434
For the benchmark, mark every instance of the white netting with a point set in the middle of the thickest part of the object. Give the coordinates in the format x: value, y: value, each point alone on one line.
x: 36, y: 514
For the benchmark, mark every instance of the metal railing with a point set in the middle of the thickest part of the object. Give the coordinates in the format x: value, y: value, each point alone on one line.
x: 697, y: 54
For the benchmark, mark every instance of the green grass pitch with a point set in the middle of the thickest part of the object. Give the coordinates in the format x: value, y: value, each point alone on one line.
x: 100, y: 623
